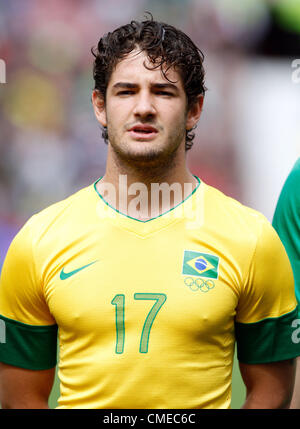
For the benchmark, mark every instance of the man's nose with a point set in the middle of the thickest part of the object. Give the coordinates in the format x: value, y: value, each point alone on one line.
x: 144, y: 105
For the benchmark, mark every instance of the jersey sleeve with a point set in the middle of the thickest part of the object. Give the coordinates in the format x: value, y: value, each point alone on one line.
x: 286, y: 221
x: 28, y: 331
x: 267, y: 307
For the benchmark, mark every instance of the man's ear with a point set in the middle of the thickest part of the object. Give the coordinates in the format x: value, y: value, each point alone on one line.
x: 99, y: 107
x: 194, y: 113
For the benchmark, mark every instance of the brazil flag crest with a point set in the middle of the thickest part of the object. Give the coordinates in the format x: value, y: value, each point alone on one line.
x: 200, y: 264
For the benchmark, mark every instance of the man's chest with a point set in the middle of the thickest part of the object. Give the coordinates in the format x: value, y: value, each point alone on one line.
x: 142, y: 291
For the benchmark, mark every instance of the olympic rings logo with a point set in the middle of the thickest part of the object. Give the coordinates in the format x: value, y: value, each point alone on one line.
x: 199, y: 284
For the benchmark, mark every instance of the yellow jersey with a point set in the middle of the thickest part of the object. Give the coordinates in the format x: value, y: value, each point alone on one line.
x: 147, y: 312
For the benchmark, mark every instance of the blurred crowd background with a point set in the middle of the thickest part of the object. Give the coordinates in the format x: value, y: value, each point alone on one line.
x: 50, y: 142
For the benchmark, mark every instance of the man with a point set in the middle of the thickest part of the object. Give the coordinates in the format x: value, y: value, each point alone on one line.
x: 286, y: 221
x: 149, y: 292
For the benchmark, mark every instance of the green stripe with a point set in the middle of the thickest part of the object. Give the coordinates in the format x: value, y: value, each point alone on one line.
x: 269, y: 340
x: 28, y: 346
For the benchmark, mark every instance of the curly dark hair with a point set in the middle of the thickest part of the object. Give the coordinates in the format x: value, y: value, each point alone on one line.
x: 166, y: 47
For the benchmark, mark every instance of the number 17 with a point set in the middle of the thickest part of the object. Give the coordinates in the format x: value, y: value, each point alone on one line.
x: 119, y: 302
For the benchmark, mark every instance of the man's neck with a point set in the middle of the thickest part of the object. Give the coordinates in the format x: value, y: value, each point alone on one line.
x: 151, y: 191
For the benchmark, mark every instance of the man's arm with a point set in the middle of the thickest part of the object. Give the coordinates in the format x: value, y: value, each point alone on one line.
x: 270, y: 385
x: 24, y: 388
x: 286, y: 221
x: 295, y: 404
x: 28, y: 350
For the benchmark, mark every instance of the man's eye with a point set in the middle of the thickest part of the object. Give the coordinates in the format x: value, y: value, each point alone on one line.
x: 128, y: 92
x: 169, y: 94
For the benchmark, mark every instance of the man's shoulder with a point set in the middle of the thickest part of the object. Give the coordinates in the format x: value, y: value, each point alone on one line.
x: 239, y: 230
x: 292, y: 182
x: 59, y: 212
x: 296, y: 168
x: 232, y: 210
x: 287, y: 208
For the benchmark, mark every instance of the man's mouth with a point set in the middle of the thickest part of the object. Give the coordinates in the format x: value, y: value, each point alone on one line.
x: 142, y: 131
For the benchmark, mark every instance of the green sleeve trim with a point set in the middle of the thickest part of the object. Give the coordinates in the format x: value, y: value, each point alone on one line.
x: 27, y: 346
x: 269, y: 340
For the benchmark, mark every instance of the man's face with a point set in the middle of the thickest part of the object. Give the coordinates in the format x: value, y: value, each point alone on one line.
x: 144, y: 113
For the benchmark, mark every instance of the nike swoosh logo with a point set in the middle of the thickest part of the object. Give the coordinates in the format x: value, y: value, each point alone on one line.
x: 64, y: 276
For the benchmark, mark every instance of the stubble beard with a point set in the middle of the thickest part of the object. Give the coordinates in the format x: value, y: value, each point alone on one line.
x: 155, y: 157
